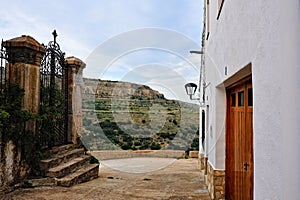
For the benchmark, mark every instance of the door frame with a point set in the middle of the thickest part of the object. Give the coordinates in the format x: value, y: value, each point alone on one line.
x: 231, y: 188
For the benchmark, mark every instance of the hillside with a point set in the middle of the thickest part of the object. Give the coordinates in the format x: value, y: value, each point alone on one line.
x: 122, y: 115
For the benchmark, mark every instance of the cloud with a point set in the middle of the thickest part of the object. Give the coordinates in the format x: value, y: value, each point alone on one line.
x: 83, y: 26
x: 92, y: 22
x: 160, y: 77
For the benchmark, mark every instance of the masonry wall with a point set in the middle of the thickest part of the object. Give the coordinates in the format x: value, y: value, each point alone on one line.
x: 12, y: 167
x: 215, y: 182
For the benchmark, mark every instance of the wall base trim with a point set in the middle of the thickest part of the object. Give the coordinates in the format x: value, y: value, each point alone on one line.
x: 215, y: 181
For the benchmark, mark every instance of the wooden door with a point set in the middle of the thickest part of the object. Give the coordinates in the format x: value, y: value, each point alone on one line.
x: 239, y: 142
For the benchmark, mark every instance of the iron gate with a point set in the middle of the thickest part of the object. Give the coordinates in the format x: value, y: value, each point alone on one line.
x: 54, y: 96
x: 3, y: 64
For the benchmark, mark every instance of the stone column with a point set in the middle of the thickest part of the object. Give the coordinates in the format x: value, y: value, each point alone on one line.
x: 24, y: 58
x: 75, y: 83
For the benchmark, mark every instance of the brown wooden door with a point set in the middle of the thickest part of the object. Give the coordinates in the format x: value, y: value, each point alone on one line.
x: 239, y: 142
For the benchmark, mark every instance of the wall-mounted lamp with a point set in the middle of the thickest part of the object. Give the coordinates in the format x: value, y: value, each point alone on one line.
x: 190, y: 89
x: 196, y: 52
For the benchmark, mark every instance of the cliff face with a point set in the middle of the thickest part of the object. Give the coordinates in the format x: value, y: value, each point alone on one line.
x: 110, y: 89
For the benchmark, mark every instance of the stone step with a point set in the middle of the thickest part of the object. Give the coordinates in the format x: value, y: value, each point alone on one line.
x: 86, y: 173
x: 46, y: 164
x: 61, y: 149
x: 38, y: 182
x: 68, y: 167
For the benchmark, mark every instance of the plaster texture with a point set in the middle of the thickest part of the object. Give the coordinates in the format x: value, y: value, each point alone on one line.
x: 263, y: 33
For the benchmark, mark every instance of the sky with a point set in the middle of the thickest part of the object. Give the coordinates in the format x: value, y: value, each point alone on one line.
x: 143, y: 41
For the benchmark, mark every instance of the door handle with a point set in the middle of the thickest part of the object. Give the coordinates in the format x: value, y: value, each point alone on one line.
x: 246, y: 166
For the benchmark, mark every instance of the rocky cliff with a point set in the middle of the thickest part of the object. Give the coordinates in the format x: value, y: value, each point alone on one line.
x: 110, y: 89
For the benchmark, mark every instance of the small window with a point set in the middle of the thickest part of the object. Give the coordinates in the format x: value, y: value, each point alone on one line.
x: 233, y: 100
x: 250, y: 97
x: 203, y: 130
x: 207, y: 19
x: 220, y: 6
x: 241, y: 98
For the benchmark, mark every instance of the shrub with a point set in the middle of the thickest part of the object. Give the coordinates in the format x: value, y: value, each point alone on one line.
x: 137, y: 143
x: 155, y: 146
x: 175, y: 122
x: 125, y: 146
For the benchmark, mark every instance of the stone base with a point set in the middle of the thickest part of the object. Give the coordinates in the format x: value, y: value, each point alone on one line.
x: 203, y: 163
x: 215, y: 182
x: 193, y: 154
x: 120, y: 154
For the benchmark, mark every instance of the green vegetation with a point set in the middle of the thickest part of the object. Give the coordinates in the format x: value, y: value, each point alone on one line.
x: 51, y: 114
x: 16, y: 124
x: 12, y: 117
x: 13, y: 121
x: 139, y: 121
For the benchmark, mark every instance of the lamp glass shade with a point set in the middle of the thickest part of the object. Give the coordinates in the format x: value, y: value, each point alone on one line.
x: 190, y: 88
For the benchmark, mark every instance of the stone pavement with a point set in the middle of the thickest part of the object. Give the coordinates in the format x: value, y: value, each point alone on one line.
x: 159, y: 179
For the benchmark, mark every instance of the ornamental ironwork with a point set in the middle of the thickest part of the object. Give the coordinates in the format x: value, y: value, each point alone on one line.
x: 54, y: 95
x: 3, y: 65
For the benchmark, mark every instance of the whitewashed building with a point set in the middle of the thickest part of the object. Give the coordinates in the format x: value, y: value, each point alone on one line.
x: 250, y: 84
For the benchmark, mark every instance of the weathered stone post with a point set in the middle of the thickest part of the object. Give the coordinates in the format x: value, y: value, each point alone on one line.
x: 24, y: 60
x: 24, y: 57
x: 75, y: 83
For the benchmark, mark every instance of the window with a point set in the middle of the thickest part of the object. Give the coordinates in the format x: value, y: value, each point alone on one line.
x: 233, y: 100
x: 220, y: 6
x: 207, y: 19
x: 203, y: 130
x: 241, y: 99
x: 250, y: 97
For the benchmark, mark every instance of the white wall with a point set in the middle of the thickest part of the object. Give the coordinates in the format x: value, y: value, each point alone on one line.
x: 290, y: 95
x: 253, y: 32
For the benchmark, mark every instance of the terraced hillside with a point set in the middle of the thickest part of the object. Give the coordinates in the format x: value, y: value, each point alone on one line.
x: 122, y: 115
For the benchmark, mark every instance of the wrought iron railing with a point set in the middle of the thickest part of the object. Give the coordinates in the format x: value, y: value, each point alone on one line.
x: 54, y: 95
x: 3, y: 65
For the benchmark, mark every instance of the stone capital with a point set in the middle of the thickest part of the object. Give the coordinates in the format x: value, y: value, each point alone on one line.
x: 24, y: 49
x: 76, y: 63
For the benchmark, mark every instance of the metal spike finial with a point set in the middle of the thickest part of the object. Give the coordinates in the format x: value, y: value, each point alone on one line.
x: 54, y: 35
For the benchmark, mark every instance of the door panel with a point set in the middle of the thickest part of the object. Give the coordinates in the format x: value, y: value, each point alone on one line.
x: 239, y: 142
x: 249, y: 172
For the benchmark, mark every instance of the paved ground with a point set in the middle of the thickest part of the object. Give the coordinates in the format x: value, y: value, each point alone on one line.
x: 179, y: 179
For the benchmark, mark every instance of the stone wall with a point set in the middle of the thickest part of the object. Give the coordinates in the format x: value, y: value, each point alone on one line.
x: 203, y: 163
x: 120, y: 154
x: 12, y: 167
x: 215, y: 182
x: 193, y: 154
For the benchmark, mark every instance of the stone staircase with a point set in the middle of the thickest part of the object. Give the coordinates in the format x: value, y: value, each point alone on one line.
x: 67, y: 166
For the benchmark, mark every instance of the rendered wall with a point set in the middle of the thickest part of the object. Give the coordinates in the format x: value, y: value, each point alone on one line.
x: 290, y: 95
x: 254, y: 32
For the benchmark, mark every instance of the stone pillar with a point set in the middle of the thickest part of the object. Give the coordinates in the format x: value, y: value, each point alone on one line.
x: 24, y: 58
x: 75, y: 83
